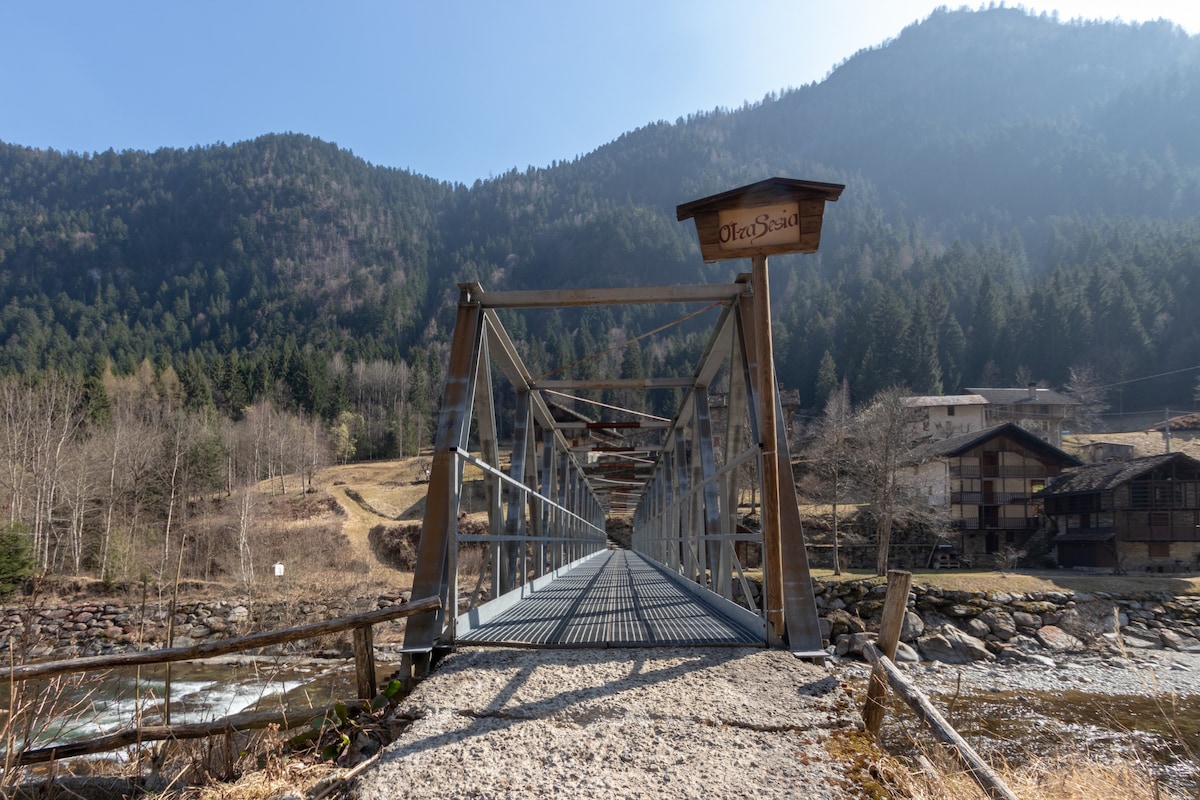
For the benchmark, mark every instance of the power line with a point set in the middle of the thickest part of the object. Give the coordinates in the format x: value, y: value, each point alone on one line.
x: 1148, y: 377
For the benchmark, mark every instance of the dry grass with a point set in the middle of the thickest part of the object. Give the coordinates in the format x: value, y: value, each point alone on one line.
x: 1067, y: 776
x: 1145, y: 443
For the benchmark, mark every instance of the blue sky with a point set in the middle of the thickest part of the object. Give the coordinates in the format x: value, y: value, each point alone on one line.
x: 457, y: 91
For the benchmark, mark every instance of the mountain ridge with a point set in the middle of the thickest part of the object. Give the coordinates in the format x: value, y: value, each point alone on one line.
x: 981, y: 145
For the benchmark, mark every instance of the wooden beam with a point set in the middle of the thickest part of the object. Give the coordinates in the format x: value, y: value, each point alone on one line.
x: 976, y: 767
x: 632, y: 295
x: 894, y: 606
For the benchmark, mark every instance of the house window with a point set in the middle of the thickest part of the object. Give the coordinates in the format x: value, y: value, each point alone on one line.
x: 1159, y: 549
x: 949, y: 411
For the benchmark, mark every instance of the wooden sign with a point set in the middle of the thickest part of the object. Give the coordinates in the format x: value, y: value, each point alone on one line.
x: 743, y: 228
x: 771, y: 217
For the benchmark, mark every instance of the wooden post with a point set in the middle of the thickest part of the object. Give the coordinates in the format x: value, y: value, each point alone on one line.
x: 772, y: 548
x: 894, y: 606
x: 976, y: 767
x: 364, y: 662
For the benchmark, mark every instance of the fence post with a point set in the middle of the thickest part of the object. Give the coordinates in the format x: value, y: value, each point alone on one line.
x: 894, y: 605
x: 364, y: 662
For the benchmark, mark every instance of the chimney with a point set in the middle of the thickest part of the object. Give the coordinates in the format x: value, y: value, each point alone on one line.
x: 1033, y: 391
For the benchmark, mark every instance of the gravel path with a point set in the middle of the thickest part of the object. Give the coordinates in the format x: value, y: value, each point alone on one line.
x: 619, y: 723
x: 1137, y: 672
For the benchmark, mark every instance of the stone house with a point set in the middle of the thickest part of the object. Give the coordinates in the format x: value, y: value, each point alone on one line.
x: 1140, y: 515
x: 941, y: 416
x: 1042, y: 411
x: 986, y: 481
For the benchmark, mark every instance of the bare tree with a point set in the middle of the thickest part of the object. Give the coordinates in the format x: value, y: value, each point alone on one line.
x: 830, y: 457
x: 1085, y: 387
x: 882, y: 439
x: 41, y: 422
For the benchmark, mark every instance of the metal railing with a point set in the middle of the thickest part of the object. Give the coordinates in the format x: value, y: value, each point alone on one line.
x: 669, y: 533
x: 540, y: 537
x: 1001, y: 524
x: 989, y: 498
x: 1033, y: 471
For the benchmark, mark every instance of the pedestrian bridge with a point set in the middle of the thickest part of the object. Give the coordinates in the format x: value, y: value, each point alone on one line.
x: 580, y: 453
x: 540, y: 572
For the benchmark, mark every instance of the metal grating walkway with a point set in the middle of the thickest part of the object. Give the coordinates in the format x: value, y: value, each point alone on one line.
x: 616, y: 599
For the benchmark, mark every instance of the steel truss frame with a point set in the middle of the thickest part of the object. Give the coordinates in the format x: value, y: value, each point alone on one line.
x: 546, y: 511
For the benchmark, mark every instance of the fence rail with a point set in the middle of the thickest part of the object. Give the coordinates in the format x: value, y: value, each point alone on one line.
x: 364, y: 666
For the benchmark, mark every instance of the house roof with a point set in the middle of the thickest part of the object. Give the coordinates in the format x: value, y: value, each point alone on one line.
x: 963, y: 442
x: 1184, y: 422
x: 1110, y: 474
x: 769, y: 190
x: 945, y: 400
x: 1016, y: 397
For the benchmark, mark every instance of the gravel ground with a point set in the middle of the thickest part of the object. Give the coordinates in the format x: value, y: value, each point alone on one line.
x: 1138, y: 672
x: 636, y: 723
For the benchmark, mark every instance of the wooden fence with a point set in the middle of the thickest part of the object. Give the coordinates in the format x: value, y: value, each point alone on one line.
x: 885, y: 674
x: 364, y: 669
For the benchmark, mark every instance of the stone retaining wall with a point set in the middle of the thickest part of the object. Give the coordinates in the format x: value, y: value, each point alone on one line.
x: 948, y: 626
x: 96, y: 628
x: 960, y: 626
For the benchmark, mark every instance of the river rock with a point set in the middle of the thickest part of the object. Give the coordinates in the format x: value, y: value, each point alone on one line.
x: 952, y: 646
x: 906, y: 654
x: 1141, y: 638
x: 1170, y: 639
x: 1026, y: 621
x: 1000, y: 623
x: 1055, y: 638
x: 912, y: 627
x: 977, y: 627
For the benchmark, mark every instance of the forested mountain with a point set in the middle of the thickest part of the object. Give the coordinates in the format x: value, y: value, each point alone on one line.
x: 1023, y: 196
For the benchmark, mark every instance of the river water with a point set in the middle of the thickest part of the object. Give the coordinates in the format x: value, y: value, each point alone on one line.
x: 60, y: 712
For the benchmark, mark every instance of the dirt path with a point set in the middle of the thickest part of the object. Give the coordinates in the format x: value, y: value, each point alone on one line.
x: 374, y: 493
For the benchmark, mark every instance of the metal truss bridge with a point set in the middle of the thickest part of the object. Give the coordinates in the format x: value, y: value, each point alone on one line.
x: 542, y: 572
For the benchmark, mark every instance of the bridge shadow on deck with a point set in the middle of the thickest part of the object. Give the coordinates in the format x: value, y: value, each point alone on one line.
x: 505, y: 691
x: 616, y: 599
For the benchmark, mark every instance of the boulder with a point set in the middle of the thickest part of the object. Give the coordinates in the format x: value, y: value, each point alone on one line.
x: 1141, y: 638
x: 1000, y: 623
x: 1170, y: 639
x: 952, y: 646
x: 1055, y: 638
x: 912, y: 627
x: 977, y: 627
x: 1015, y: 655
x: 1026, y: 621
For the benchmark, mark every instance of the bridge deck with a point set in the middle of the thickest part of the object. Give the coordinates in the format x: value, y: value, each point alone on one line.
x: 616, y: 599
